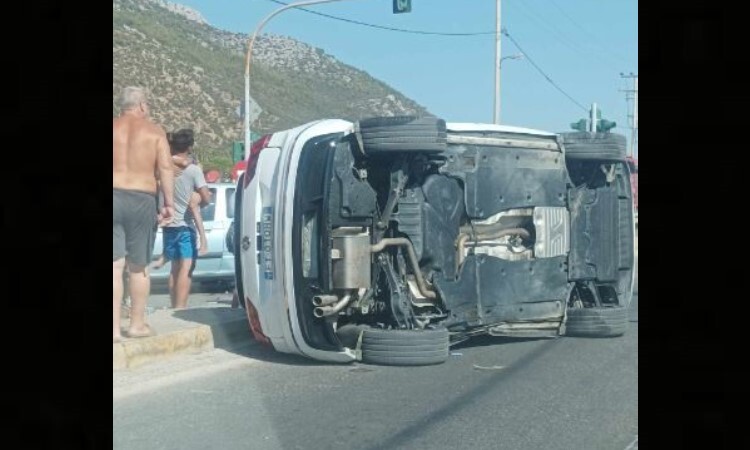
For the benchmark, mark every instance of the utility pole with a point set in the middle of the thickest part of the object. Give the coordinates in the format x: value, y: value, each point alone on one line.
x: 496, y: 116
x: 593, y: 120
x: 632, y: 94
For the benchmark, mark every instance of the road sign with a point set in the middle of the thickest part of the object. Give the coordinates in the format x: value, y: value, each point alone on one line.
x: 255, y: 110
x: 238, y: 147
x: 401, y: 6
x: 238, y: 151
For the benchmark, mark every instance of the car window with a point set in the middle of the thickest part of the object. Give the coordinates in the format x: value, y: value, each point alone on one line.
x: 208, y: 211
x: 230, y: 202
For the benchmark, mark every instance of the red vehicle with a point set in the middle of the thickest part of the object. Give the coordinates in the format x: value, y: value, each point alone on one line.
x: 633, y: 167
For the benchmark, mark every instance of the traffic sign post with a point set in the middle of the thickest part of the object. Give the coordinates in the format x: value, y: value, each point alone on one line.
x: 401, y: 6
x: 238, y: 152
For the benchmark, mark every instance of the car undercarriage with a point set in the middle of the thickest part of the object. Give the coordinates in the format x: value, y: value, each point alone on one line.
x: 409, y: 237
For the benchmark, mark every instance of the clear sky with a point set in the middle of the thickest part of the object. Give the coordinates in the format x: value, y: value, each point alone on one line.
x: 581, y: 45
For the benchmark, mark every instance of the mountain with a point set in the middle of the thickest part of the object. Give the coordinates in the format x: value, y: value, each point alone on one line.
x: 195, y: 74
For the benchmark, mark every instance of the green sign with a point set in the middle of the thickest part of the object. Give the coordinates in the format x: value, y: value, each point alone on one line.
x: 605, y: 125
x: 238, y: 148
x: 401, y: 6
x: 580, y: 125
x: 238, y: 152
x: 602, y: 125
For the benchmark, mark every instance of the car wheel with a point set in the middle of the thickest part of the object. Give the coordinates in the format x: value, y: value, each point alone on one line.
x: 402, y: 134
x: 405, y: 347
x: 594, y: 146
x: 237, y: 240
x: 597, y: 322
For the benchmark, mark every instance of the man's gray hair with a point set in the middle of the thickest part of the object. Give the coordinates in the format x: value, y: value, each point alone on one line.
x: 132, y: 97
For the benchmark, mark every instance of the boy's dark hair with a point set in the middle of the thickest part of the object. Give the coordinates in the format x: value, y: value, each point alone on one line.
x: 181, y: 140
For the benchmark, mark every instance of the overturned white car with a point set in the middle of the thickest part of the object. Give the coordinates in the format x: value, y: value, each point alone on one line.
x: 390, y: 239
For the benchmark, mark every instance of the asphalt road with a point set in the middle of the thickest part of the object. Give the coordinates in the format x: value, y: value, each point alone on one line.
x: 567, y: 393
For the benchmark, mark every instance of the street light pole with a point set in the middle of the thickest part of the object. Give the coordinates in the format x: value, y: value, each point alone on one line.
x: 249, y: 55
x: 496, y: 115
x: 497, y: 99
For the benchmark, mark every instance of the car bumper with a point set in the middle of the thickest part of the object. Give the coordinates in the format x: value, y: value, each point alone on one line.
x: 276, y: 302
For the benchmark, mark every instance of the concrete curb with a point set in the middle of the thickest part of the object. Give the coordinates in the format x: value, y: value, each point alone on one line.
x: 179, y: 332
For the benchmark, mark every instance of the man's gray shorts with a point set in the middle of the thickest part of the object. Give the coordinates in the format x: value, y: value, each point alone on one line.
x: 133, y: 225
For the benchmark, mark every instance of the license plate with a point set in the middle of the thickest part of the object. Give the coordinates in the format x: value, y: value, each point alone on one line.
x: 266, y: 232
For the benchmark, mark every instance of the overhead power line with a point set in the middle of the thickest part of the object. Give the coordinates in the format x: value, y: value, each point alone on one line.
x: 594, y: 39
x: 561, y: 37
x: 382, y: 27
x: 528, y: 57
x: 437, y: 33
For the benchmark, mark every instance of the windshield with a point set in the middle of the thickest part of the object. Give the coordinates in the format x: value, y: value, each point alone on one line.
x: 229, y: 195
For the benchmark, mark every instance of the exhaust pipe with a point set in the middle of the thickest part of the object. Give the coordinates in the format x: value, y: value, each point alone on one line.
x: 324, y: 300
x: 412, y: 258
x: 491, y: 233
x: 329, y: 310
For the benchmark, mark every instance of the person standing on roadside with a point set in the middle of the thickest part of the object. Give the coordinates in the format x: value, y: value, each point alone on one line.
x: 194, y: 207
x: 194, y: 212
x: 179, y: 237
x: 140, y: 158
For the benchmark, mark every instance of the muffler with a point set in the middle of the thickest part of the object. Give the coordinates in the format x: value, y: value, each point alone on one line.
x: 350, y: 258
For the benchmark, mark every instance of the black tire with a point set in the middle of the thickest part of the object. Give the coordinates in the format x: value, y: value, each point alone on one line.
x: 238, y: 240
x: 392, y: 147
x: 624, y: 286
x: 389, y: 134
x: 405, y: 347
x: 401, y: 122
x: 402, y: 134
x: 349, y: 334
x: 595, y: 146
x: 597, y: 322
x: 229, y: 239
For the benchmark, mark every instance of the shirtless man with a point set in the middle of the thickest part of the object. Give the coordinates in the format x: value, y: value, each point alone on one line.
x: 140, y: 157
